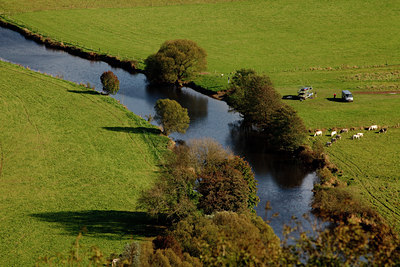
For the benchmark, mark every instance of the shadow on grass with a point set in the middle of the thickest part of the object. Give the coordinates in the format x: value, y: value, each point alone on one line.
x: 136, y: 130
x: 290, y: 97
x: 108, y: 224
x: 334, y: 99
x: 88, y: 92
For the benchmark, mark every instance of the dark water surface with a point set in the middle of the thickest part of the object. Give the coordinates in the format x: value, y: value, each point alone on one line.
x: 281, y: 180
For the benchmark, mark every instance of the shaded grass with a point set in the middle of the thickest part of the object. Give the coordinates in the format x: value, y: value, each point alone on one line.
x: 370, y: 167
x: 59, y: 157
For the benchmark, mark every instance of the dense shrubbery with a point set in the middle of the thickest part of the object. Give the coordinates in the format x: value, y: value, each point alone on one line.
x: 202, y: 176
x: 260, y: 105
x: 172, y: 116
x: 175, y: 62
x: 110, y: 82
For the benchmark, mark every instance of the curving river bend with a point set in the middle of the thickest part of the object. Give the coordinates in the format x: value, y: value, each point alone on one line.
x: 281, y: 180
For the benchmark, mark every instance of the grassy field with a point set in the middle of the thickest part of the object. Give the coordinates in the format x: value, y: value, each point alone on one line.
x: 371, y: 168
x: 329, y: 45
x: 69, y: 158
x: 269, y: 36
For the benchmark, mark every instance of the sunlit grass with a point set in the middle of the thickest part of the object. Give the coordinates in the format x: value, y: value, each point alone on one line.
x: 70, y: 158
x: 371, y: 168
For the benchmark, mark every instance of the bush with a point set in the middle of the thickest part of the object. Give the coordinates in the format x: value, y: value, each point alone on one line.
x: 110, y: 82
x: 175, y: 62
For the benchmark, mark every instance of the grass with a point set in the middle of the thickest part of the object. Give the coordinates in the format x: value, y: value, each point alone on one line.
x: 269, y: 36
x: 70, y: 158
x: 321, y: 43
x: 370, y: 166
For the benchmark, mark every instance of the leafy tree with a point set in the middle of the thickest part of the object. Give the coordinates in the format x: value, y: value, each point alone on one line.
x: 228, y: 239
x: 222, y: 187
x: 172, y: 116
x: 176, y: 61
x: 202, y: 176
x: 110, y: 82
x: 260, y: 105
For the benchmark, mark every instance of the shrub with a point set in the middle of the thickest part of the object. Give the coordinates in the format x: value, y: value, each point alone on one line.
x: 110, y: 82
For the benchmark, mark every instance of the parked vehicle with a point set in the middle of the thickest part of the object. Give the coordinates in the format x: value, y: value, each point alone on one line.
x: 347, y: 96
x: 305, y: 93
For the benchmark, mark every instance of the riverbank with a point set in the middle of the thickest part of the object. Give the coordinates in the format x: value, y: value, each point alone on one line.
x: 70, y: 157
x: 130, y: 66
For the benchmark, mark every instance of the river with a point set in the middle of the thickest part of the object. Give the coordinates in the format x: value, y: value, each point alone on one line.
x: 281, y: 179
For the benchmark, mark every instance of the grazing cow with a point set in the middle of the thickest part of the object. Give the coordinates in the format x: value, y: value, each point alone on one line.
x: 333, y: 133
x: 360, y: 134
x: 318, y: 133
x: 338, y: 137
x: 383, y: 130
x: 356, y: 136
x: 373, y: 127
x: 333, y: 140
x: 328, y: 143
x: 344, y: 130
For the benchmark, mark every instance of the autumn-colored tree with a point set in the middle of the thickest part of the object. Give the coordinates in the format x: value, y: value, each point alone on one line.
x: 175, y: 62
x: 110, y: 82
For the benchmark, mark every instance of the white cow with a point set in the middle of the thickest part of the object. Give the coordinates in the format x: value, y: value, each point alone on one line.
x: 360, y: 134
x: 318, y: 133
x: 333, y: 133
x: 373, y: 127
x: 356, y: 136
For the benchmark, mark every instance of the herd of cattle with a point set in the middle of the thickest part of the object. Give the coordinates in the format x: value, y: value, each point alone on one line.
x: 335, y: 136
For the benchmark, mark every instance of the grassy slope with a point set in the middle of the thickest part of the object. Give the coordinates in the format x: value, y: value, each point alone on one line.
x: 61, y: 170
x: 371, y: 167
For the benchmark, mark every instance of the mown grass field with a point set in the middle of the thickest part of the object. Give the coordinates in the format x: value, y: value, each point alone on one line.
x: 371, y: 168
x: 69, y: 158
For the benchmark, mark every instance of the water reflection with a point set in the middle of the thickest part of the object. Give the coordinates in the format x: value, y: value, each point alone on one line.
x: 197, y: 105
x: 285, y: 170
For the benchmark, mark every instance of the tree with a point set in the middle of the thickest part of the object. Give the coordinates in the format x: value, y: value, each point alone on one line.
x: 110, y: 82
x: 260, y: 105
x: 172, y: 116
x: 176, y: 61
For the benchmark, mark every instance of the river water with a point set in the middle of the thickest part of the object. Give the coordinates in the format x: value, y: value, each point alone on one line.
x: 281, y: 179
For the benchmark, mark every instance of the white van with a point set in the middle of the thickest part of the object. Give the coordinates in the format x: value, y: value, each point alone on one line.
x: 347, y: 96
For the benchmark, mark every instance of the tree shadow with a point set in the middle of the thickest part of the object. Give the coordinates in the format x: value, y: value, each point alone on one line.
x: 135, y: 130
x: 107, y: 224
x: 88, y: 92
x: 290, y: 97
x: 334, y: 99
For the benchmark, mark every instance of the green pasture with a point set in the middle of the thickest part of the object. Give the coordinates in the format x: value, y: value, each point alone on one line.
x: 70, y: 159
x: 376, y: 92
x: 269, y: 36
x: 331, y: 45
x: 371, y: 168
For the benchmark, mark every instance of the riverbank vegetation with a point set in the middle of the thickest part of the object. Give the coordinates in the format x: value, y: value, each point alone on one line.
x: 263, y: 111
x: 176, y: 62
x: 70, y: 157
